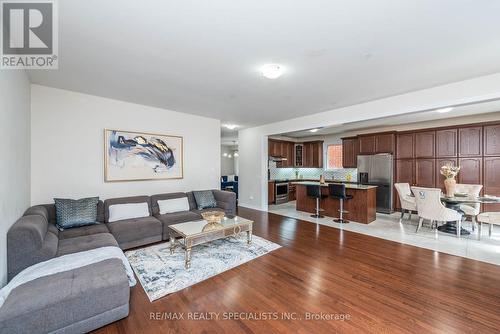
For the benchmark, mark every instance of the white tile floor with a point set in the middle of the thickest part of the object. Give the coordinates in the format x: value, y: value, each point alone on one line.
x: 388, y: 227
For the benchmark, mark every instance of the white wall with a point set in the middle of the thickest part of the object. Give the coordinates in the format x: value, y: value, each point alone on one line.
x: 68, y: 145
x: 253, y: 141
x: 15, y: 160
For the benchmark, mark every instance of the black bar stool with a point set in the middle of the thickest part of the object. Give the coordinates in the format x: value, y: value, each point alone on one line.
x: 315, y: 192
x: 338, y: 191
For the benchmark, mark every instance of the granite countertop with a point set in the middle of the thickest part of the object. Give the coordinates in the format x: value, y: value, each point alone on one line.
x: 347, y: 185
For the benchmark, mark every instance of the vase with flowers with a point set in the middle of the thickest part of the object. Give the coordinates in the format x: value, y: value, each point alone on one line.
x: 450, y: 184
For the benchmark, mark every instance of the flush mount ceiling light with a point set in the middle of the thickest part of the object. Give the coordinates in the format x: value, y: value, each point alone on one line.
x: 314, y: 130
x: 230, y: 126
x: 444, y: 110
x: 272, y: 71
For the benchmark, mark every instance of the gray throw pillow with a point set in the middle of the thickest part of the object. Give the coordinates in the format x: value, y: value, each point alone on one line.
x: 74, y: 213
x: 205, y: 199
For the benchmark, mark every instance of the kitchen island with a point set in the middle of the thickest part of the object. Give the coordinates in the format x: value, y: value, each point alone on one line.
x: 362, y: 206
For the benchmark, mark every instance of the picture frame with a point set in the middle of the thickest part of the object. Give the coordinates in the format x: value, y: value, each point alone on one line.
x: 142, y: 156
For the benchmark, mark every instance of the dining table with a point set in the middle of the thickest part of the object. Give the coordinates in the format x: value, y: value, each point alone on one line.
x: 455, y: 202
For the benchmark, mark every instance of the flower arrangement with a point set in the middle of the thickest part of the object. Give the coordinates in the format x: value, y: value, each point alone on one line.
x: 449, y: 171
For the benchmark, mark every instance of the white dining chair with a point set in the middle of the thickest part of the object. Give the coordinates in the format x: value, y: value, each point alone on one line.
x: 429, y: 207
x: 471, y: 210
x: 491, y: 218
x: 408, y: 203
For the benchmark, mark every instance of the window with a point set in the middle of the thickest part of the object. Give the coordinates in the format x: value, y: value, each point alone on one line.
x: 334, y: 156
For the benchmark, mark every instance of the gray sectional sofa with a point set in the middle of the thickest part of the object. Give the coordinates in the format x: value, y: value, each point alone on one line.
x: 86, y: 298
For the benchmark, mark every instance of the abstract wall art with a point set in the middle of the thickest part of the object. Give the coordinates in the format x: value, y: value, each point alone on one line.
x: 136, y: 156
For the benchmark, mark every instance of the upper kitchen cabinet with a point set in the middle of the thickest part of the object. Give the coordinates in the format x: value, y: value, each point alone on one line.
x: 367, y: 144
x: 274, y: 148
x: 298, y: 155
x: 350, y: 150
x: 446, y: 143
x: 385, y: 143
x: 404, y: 146
x: 492, y: 140
x: 425, y: 143
x: 290, y: 154
x: 313, y: 154
x: 470, y: 141
x: 282, y: 149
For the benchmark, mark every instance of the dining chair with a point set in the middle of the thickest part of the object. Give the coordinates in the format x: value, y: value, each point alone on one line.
x: 471, y: 210
x: 491, y: 218
x: 429, y: 207
x: 406, y: 199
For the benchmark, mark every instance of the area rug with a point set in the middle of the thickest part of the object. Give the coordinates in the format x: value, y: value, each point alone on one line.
x: 162, y: 273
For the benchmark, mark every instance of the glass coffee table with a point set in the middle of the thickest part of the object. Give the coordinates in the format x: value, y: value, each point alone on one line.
x: 199, y: 232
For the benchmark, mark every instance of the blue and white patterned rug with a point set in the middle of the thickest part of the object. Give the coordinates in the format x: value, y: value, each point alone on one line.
x: 162, y: 273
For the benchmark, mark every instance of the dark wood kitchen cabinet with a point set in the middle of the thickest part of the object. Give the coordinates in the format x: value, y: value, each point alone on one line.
x: 440, y: 163
x: 471, y: 170
x: 270, y: 192
x: 367, y: 144
x: 492, y: 181
x: 350, y: 150
x: 492, y: 140
x: 446, y: 143
x: 313, y: 154
x: 292, y: 191
x: 274, y: 148
x: 404, y: 145
x: 307, y: 155
x: 290, y: 154
x: 425, y: 142
x: 385, y: 143
x: 282, y: 149
x: 470, y: 141
x: 425, y: 175
x: 405, y: 171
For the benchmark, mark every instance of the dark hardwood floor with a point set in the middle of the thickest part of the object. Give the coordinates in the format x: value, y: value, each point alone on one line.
x: 382, y: 286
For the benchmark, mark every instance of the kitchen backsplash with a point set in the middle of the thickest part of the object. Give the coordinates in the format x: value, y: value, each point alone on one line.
x: 311, y: 173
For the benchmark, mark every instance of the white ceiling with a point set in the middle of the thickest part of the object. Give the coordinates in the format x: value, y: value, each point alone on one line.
x: 202, y: 57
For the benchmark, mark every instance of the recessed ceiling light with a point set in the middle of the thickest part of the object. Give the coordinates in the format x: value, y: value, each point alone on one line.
x: 314, y: 130
x: 272, y: 71
x: 230, y: 126
x: 444, y: 110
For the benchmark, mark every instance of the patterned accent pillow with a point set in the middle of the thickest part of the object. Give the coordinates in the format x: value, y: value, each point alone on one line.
x: 205, y: 199
x: 74, y: 213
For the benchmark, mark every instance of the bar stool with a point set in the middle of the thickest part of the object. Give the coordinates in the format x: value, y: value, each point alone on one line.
x: 315, y: 192
x: 338, y: 191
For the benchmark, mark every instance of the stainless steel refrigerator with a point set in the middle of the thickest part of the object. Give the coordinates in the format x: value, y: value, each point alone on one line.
x: 378, y: 170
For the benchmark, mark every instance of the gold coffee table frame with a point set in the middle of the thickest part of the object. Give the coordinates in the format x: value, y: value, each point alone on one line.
x: 199, y: 232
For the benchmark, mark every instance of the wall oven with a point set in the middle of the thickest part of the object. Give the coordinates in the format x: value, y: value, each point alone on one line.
x: 281, y: 192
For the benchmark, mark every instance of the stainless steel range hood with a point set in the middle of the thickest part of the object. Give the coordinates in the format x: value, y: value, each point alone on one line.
x: 277, y: 159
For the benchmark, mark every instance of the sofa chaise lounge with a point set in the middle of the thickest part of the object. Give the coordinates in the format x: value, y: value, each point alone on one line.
x: 90, y: 297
